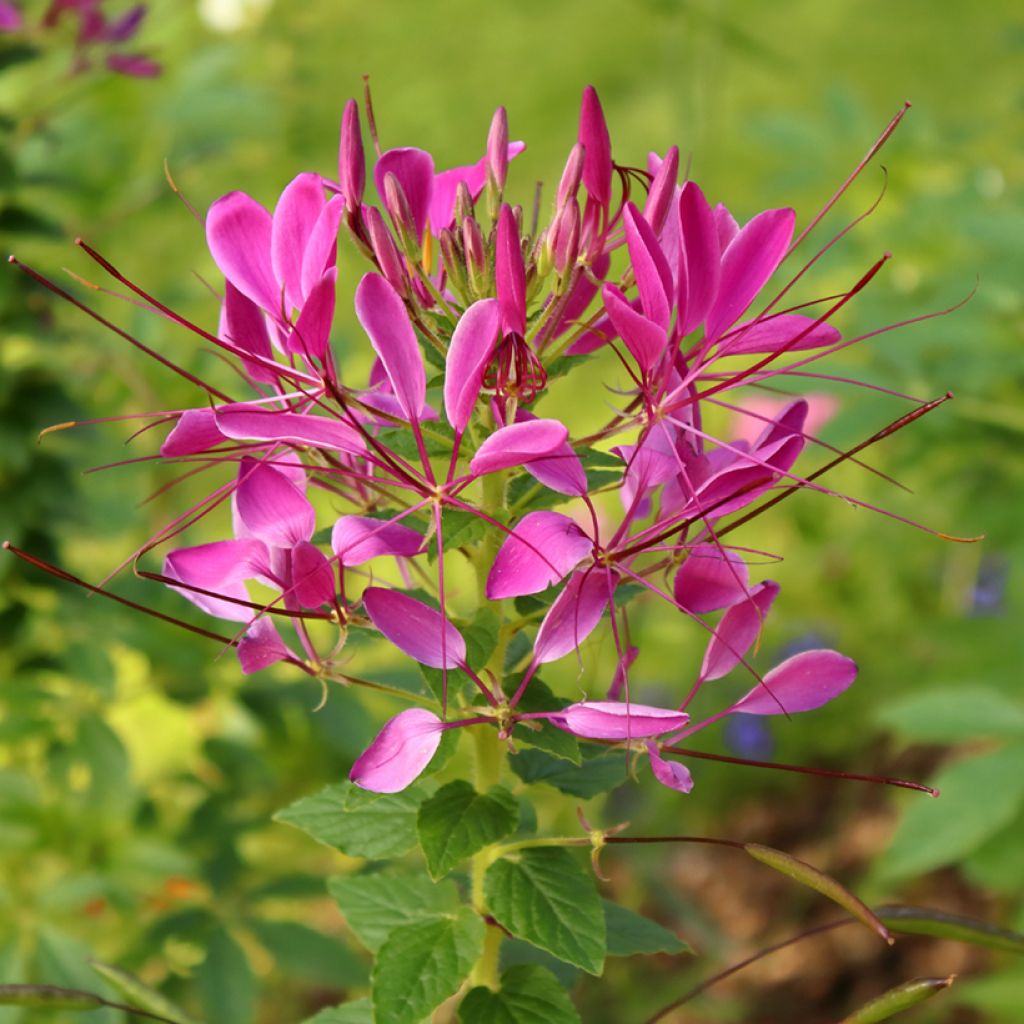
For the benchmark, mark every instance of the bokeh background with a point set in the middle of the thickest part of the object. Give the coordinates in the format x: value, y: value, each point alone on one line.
x: 139, y: 771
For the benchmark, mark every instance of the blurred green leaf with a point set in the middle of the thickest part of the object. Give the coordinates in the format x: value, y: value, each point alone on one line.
x: 953, y: 714
x: 135, y: 993
x: 48, y: 997
x: 226, y: 981
x: 529, y: 994
x: 630, y: 933
x: 1000, y: 995
x: 359, y: 1011
x: 922, y: 921
x: 303, y: 953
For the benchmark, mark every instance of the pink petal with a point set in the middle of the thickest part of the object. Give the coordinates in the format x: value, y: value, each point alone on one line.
x: 322, y: 246
x: 645, y: 339
x: 518, y: 443
x: 357, y: 539
x: 650, y: 268
x: 244, y: 325
x: 510, y: 274
x: 294, y: 216
x: 414, y: 169
x: 612, y: 720
x: 543, y: 547
x: 581, y: 297
x: 752, y: 257
x: 561, y: 471
x: 221, y: 567
x: 597, y: 148
x: 415, y: 628
x: 10, y: 17
x: 238, y: 232
x: 469, y: 354
x: 195, y: 431
x: 737, y: 631
x: 312, y: 576
x: 778, y: 332
x: 138, y: 65
x: 801, y: 683
x: 446, y: 183
x: 573, y: 615
x: 271, y: 506
x: 663, y: 194
x: 820, y: 409
x: 401, y: 751
x: 309, y: 337
x: 384, y: 318
x: 725, y: 226
x: 701, y: 260
x: 711, y: 579
x: 261, y: 646
x: 351, y: 162
x: 244, y: 423
x: 669, y: 773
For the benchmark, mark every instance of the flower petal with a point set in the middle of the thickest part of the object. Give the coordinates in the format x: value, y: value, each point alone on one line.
x: 644, y: 338
x: 711, y: 578
x: 245, y: 423
x: 296, y: 212
x: 787, y: 331
x: 597, y: 148
x: 322, y: 247
x: 469, y: 354
x: 414, y: 169
x: 402, y: 749
x: 357, y: 539
x: 261, y: 646
x: 801, y: 683
x: 700, y: 259
x: 573, y: 615
x: 238, y: 232
x: 543, y: 547
x: 312, y: 578
x: 244, y: 325
x: 309, y: 337
x: 414, y: 628
x: 221, y: 567
x: 650, y: 268
x: 196, y: 431
x: 669, y: 773
x: 510, y: 274
x: 271, y: 507
x: 516, y: 444
x: 613, y: 720
x: 737, y: 631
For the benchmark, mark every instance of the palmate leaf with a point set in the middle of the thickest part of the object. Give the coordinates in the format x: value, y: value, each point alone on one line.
x: 421, y: 965
x: 631, y: 934
x: 457, y: 821
x: 356, y: 822
x: 529, y: 994
x: 547, y: 899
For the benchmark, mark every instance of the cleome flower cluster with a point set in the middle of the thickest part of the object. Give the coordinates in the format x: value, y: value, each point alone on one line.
x: 449, y: 449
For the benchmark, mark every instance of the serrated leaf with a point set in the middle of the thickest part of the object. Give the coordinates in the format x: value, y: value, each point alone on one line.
x: 979, y: 796
x: 528, y: 995
x: 949, y: 714
x: 527, y: 495
x: 599, y: 774
x: 546, y: 898
x: 457, y: 822
x: 898, y: 999
x: 374, y: 905
x: 630, y: 933
x: 459, y: 529
x: 421, y: 965
x: 359, y: 1011
x: 226, y: 981
x: 356, y: 822
x: 922, y: 921
x: 302, y: 952
x: 481, y: 637
x: 137, y: 994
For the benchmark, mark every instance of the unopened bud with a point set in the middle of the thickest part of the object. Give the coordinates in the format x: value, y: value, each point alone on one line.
x: 351, y: 163
x: 454, y: 267
x: 663, y: 190
x: 566, y: 242
x: 497, y: 149
x: 463, y: 202
x: 386, y: 253
x: 398, y: 207
x: 476, y: 254
x: 571, y: 176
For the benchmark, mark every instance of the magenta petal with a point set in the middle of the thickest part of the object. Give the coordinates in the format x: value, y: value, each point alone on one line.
x: 351, y: 162
x: 294, y: 216
x: 561, y: 471
x: 518, y: 443
x: 788, y: 331
x: 737, y: 631
x: 446, y: 183
x: 221, y: 567
x: 357, y: 539
x: 573, y: 615
x: 711, y: 579
x: 414, y: 169
x: 650, y: 268
x: 750, y: 260
x: 613, y: 720
x: 402, y: 749
x: 543, y: 547
x: 384, y: 318
x: 801, y: 683
x: 195, y: 431
x: 669, y: 773
x: 414, y: 628
x: 725, y: 226
x: 261, y: 646
x: 312, y: 330
x: 700, y: 259
x: 510, y: 274
x: 244, y: 325
x: 322, y: 247
x: 645, y: 339
x: 271, y: 507
x: 10, y: 17
x: 597, y: 148
x: 469, y: 354
x: 245, y: 423
x: 312, y: 576
x: 238, y: 232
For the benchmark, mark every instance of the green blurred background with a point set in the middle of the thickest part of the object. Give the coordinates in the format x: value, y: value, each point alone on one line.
x: 139, y: 771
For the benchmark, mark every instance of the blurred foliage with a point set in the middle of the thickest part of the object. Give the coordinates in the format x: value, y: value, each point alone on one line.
x: 139, y: 773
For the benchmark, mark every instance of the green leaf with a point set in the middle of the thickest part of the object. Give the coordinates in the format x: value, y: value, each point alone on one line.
x: 135, y: 993
x: 898, y: 999
x: 481, y: 637
x: 48, y: 997
x: 359, y: 1011
x: 457, y: 821
x: 949, y: 714
x: 226, y: 981
x: 356, y: 822
x: 421, y: 965
x: 1000, y: 995
x: 529, y: 995
x: 459, y: 529
x: 374, y: 905
x: 537, y: 697
x: 546, y: 898
x: 807, y: 874
x: 63, y: 960
x: 304, y: 953
x: 630, y: 933
x: 937, y: 923
x: 598, y: 774
x: 980, y: 796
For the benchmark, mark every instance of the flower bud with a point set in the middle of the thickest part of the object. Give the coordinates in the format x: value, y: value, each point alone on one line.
x: 663, y: 190
x: 401, y: 216
x: 454, y: 267
x: 463, y: 202
x: 351, y: 163
x: 566, y: 242
x: 386, y: 253
x: 571, y: 176
x: 497, y: 149
x: 476, y: 255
